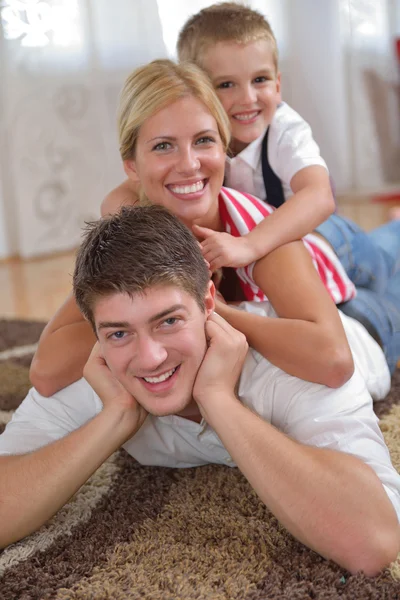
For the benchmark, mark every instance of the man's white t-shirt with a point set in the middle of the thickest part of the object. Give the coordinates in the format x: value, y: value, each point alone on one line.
x: 341, y: 419
x: 291, y: 147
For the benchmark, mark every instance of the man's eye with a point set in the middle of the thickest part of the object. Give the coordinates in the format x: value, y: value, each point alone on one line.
x: 171, y: 321
x: 162, y: 146
x: 117, y: 335
x: 224, y: 85
x: 260, y: 79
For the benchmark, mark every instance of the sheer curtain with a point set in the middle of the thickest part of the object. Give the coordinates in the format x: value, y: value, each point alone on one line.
x: 339, y: 71
x: 63, y: 63
x: 370, y: 31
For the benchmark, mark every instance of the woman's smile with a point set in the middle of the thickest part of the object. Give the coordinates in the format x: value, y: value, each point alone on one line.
x: 180, y: 161
x: 189, y: 190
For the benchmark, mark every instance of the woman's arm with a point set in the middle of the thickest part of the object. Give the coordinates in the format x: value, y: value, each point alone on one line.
x: 64, y: 347
x: 308, y: 340
x: 126, y: 194
x: 67, y: 340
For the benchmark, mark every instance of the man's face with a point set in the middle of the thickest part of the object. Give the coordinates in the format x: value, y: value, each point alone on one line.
x: 246, y: 81
x: 154, y: 344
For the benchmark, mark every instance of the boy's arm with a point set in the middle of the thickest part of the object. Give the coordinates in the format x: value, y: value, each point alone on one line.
x: 308, y: 340
x: 67, y: 340
x: 295, y: 158
x: 310, y: 205
x: 315, y: 493
x: 55, y: 472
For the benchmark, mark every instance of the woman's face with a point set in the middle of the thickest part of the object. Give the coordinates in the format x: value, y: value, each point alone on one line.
x: 180, y: 161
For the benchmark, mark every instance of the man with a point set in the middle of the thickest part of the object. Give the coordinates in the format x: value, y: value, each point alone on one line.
x: 175, y: 385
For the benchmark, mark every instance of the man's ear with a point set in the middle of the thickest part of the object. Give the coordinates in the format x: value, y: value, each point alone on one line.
x: 130, y: 170
x: 209, y: 299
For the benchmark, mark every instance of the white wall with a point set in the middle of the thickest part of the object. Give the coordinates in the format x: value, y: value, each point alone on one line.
x: 5, y: 248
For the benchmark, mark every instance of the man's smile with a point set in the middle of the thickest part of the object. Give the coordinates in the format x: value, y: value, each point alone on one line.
x: 161, y: 383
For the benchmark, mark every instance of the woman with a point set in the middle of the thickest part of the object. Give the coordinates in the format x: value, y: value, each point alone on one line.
x: 173, y: 135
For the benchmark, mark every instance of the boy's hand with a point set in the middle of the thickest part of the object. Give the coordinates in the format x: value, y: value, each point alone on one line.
x: 110, y: 391
x: 224, y: 250
x: 222, y: 363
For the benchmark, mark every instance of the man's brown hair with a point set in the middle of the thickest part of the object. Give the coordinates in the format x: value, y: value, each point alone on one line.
x: 225, y: 22
x: 133, y: 250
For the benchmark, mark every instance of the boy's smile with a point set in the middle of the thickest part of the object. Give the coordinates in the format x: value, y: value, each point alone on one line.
x: 246, y: 81
x: 156, y: 347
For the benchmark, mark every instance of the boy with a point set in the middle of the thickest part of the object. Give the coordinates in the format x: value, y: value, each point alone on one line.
x: 271, y: 144
x: 237, y: 48
x: 175, y: 385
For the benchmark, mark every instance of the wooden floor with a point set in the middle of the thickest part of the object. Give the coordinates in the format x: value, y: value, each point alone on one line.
x: 34, y: 289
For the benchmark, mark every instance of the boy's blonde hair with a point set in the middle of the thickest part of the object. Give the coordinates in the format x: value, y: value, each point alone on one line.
x: 155, y: 86
x: 226, y: 22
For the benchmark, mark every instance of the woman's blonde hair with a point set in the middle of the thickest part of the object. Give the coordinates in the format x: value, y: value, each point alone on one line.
x: 155, y: 86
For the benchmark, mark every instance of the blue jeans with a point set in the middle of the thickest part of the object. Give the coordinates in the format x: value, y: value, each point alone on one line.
x: 372, y: 262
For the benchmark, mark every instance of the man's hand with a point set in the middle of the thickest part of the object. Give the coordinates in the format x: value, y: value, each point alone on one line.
x: 224, y: 250
x: 111, y: 391
x: 222, y: 363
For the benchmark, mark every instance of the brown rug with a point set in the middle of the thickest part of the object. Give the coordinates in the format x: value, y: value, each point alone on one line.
x: 142, y: 533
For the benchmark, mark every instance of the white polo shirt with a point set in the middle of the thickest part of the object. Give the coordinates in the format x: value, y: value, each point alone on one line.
x: 341, y: 419
x: 291, y: 147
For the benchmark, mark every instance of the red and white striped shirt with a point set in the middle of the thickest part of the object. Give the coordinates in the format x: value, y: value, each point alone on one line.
x: 241, y: 212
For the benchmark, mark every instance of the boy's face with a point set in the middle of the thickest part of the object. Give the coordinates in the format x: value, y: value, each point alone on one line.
x: 247, y: 84
x: 154, y: 344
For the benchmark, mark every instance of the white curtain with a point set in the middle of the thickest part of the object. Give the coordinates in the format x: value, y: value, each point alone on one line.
x: 342, y: 76
x: 63, y: 63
